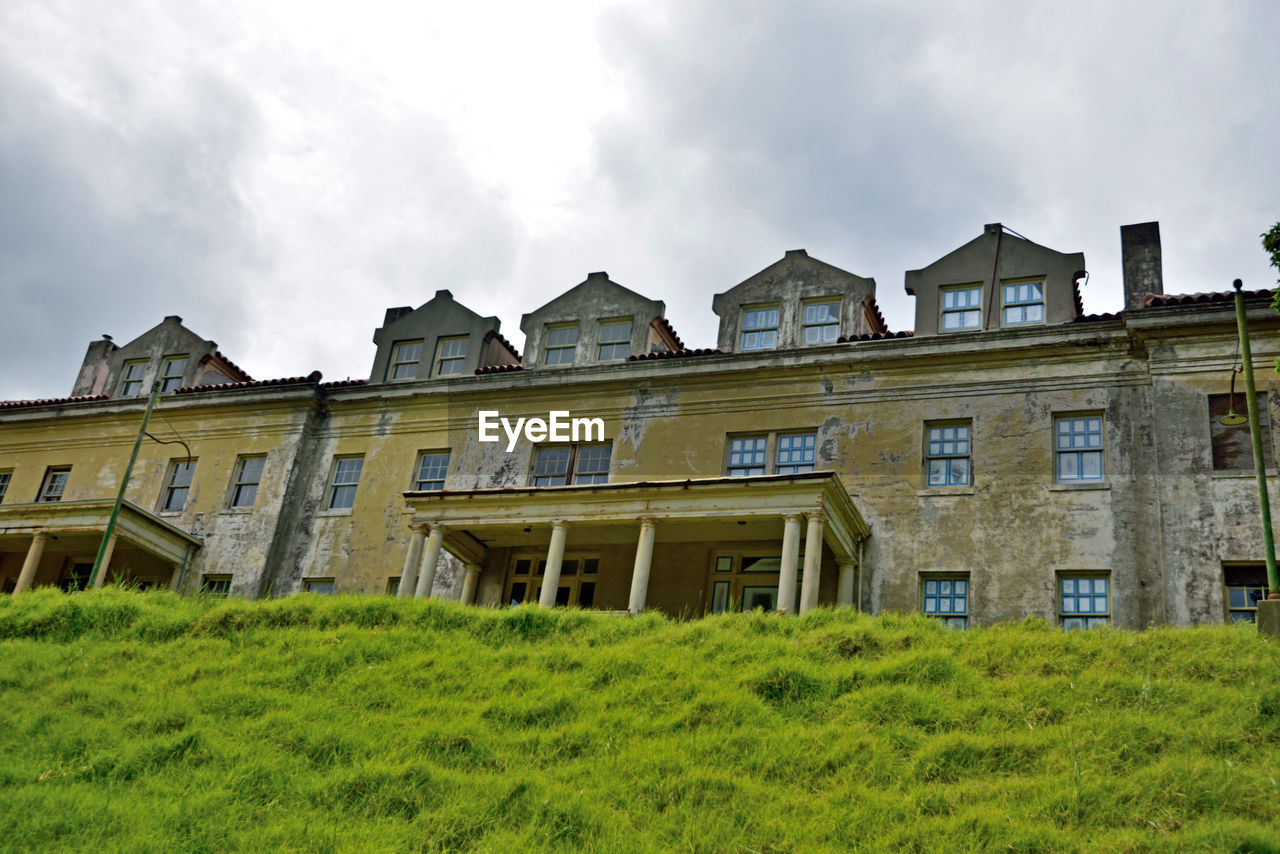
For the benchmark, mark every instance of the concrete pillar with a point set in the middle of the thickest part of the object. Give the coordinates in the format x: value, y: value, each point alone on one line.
x: 844, y: 591
x: 106, y: 562
x: 640, y: 570
x: 430, y: 560
x: 790, y: 563
x: 176, y: 577
x: 409, y: 575
x: 812, y: 563
x: 34, y: 552
x: 555, y: 554
x: 469, y: 585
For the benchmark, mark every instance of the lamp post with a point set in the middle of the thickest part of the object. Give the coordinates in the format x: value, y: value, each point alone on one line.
x: 1255, y: 433
x: 124, y: 484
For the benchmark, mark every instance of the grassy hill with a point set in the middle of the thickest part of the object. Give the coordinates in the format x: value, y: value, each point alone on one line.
x: 149, y: 722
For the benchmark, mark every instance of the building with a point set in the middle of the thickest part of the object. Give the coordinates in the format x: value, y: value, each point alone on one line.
x: 1011, y: 456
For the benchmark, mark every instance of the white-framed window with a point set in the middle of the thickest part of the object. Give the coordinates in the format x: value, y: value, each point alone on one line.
x: 54, y: 484
x: 5, y: 477
x: 177, y: 485
x: 245, y: 480
x: 559, y: 465
x: 171, y: 377
x: 947, y: 598
x: 321, y: 586
x: 1084, y: 600
x: 1078, y: 447
x: 1023, y: 302
x: 218, y: 584
x: 342, y: 486
x: 771, y: 453
x: 405, y: 356
x: 760, y: 327
x: 451, y: 355
x: 432, y: 468
x: 615, y: 339
x: 946, y: 454
x: 562, y: 342
x: 1246, y: 586
x: 821, y: 322
x: 131, y: 382
x: 961, y: 308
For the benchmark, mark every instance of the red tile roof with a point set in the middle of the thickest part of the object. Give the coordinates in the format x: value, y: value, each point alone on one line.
x: 343, y: 384
x: 1158, y: 300
x: 874, y: 336
x: 311, y: 378
x: 499, y: 369
x: 52, y: 401
x: 244, y: 375
x: 870, y: 302
x: 673, y: 354
x: 502, y: 339
x: 670, y: 330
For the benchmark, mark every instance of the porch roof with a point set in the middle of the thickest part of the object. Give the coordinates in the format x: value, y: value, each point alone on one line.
x: 88, y: 518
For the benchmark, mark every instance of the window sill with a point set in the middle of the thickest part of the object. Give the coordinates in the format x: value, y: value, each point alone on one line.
x: 169, y: 514
x: 942, y: 491
x: 336, y: 511
x: 1079, y: 487
x: 235, y: 511
x: 1240, y: 475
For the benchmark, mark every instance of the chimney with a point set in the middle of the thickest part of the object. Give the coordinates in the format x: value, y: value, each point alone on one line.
x: 1140, y: 255
x: 394, y: 314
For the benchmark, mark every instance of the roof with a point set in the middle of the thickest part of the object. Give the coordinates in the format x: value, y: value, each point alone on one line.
x: 499, y: 369
x: 1160, y: 300
x: 52, y: 401
x: 673, y: 354
x: 670, y: 330
x: 870, y: 303
x: 311, y: 378
x: 502, y: 339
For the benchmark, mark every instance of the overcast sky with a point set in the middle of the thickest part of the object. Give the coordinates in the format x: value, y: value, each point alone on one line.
x: 278, y: 174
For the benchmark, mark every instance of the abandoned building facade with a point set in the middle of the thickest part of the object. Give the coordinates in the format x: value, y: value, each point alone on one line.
x: 1009, y: 457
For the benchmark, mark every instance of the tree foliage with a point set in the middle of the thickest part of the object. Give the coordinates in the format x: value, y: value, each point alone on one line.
x: 1271, y: 243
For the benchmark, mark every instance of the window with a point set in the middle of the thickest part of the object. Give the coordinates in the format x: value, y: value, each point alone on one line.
x: 1233, y: 444
x: 393, y: 585
x: 562, y: 341
x: 451, y: 355
x: 947, y: 598
x: 821, y: 322
x: 760, y: 328
x: 216, y: 585
x: 947, y: 455
x: 578, y: 574
x: 322, y: 586
x: 792, y: 453
x: 178, y: 484
x: 961, y: 308
x: 1078, y: 443
x: 1023, y: 303
x: 559, y: 465
x: 346, y: 477
x: 245, y: 481
x: 133, y: 374
x: 1083, y: 601
x: 745, y: 582
x: 54, y: 483
x: 174, y: 368
x: 5, y: 476
x: 405, y: 356
x: 1246, y: 586
x: 432, y: 468
x: 615, y: 340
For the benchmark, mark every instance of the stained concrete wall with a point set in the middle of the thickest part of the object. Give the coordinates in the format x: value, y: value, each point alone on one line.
x: 440, y: 317
x: 102, y: 371
x: 594, y: 301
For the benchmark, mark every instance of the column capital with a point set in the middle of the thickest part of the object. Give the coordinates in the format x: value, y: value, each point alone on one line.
x: 560, y: 523
x: 787, y: 517
x: 816, y: 516
x: 647, y: 520
x: 40, y: 535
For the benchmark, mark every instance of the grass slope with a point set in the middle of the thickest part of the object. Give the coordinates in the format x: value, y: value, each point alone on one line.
x: 149, y: 722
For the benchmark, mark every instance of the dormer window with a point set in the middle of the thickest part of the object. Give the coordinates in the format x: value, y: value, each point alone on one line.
x: 822, y: 322
x: 962, y: 308
x: 451, y: 355
x: 760, y: 328
x: 1023, y: 302
x: 615, y: 340
x: 562, y: 341
x: 174, y: 368
x: 404, y: 360
x: 133, y: 374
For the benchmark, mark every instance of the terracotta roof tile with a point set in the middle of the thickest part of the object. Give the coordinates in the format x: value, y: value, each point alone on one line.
x: 502, y: 339
x: 52, y: 401
x: 670, y: 330
x: 673, y: 354
x: 870, y: 302
x: 874, y: 336
x: 311, y: 378
x: 499, y: 369
x: 344, y: 384
x: 1096, y: 318
x: 230, y: 364
x: 1158, y: 300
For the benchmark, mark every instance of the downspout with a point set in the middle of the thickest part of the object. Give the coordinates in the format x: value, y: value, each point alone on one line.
x: 858, y: 604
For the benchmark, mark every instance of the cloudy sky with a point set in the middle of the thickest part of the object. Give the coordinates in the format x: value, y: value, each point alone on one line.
x: 278, y: 173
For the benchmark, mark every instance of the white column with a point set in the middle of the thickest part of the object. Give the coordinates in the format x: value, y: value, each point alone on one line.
x: 640, y: 571
x: 430, y: 560
x: 469, y: 585
x: 790, y: 563
x: 551, y: 576
x: 34, y: 553
x: 844, y: 591
x: 812, y: 563
x: 409, y: 575
x: 106, y: 563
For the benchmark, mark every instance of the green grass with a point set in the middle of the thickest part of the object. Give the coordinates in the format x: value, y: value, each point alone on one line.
x: 149, y: 722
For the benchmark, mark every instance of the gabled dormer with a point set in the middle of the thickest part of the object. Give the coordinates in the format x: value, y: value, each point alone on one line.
x: 796, y: 302
x: 168, y: 353
x: 440, y: 339
x: 595, y: 322
x: 999, y: 280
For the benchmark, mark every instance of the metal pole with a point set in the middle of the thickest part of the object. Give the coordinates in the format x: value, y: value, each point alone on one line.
x: 1255, y: 433
x: 124, y: 484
